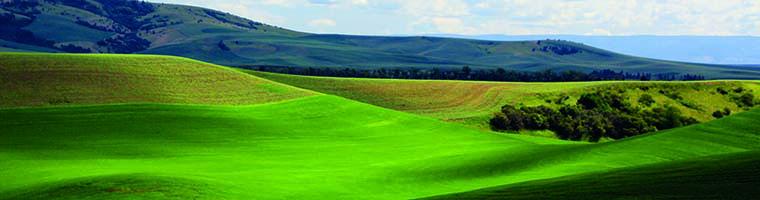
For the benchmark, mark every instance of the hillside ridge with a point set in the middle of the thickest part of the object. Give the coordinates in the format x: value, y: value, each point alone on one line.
x: 44, y: 79
x: 226, y: 39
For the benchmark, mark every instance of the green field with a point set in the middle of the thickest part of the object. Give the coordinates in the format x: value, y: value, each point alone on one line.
x: 305, y: 146
x: 473, y: 102
x: 31, y: 79
x: 732, y: 176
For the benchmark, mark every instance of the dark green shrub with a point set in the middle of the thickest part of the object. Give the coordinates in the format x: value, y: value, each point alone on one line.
x: 739, y: 89
x: 592, y: 101
x: 646, y: 100
x: 671, y: 94
x: 746, y: 100
x: 722, y: 113
x: 717, y: 114
x: 515, y: 119
x: 562, y: 100
x: 722, y: 91
x: 499, y: 122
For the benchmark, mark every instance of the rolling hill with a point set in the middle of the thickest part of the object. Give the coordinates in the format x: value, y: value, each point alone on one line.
x: 32, y: 79
x: 730, y: 176
x: 212, y: 36
x: 735, y: 50
x: 311, y: 146
x: 474, y: 102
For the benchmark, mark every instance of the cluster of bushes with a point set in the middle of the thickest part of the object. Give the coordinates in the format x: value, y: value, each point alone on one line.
x: 594, y: 116
x: 96, y: 26
x: 20, y: 6
x: 125, y: 43
x: 74, y: 49
x: 560, y: 49
x: 222, y: 17
x: 721, y: 113
x: 742, y: 97
x: 124, y: 12
x: 21, y: 14
x: 156, y: 25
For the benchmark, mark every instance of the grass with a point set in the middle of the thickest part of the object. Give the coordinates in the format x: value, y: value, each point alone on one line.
x: 32, y: 79
x: 300, y: 145
x: 469, y: 102
x: 313, y: 147
x: 733, y: 176
x: 473, y: 102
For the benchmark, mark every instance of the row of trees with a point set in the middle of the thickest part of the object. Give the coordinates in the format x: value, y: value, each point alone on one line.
x: 595, y: 115
x: 466, y: 73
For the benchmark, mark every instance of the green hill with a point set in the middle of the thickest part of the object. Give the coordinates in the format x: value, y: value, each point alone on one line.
x: 314, y: 147
x: 33, y: 79
x: 311, y: 146
x: 733, y: 176
x: 474, y: 102
x: 213, y: 36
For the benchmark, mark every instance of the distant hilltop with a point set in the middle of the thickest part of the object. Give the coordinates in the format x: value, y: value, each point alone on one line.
x: 110, y: 26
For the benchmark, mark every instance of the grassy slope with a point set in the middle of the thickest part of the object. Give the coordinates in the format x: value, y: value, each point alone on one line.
x: 734, y: 176
x: 473, y: 102
x: 314, y: 147
x: 31, y: 79
x: 319, y: 146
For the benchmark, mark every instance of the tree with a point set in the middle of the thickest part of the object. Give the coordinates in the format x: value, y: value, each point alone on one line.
x: 466, y: 72
x: 717, y: 114
x: 499, y: 122
x: 515, y: 119
x: 670, y: 117
x: 726, y: 112
x: 721, y: 91
x: 592, y: 101
x: 747, y: 100
x: 646, y: 100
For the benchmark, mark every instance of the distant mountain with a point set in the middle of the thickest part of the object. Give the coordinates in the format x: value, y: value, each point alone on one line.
x: 736, y: 50
x: 119, y: 26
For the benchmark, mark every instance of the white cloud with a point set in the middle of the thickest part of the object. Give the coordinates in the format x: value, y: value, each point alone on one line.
x: 599, y: 31
x: 277, y: 2
x: 360, y: 2
x: 247, y: 11
x: 435, y: 8
x: 451, y: 25
x: 322, y: 22
x: 599, y: 17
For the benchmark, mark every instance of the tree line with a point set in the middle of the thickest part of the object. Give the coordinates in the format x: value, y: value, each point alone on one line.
x: 467, y: 73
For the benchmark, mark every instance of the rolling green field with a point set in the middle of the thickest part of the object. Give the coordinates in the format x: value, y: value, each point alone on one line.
x: 32, y: 79
x: 732, y: 176
x: 474, y: 102
x: 314, y: 147
x: 305, y: 146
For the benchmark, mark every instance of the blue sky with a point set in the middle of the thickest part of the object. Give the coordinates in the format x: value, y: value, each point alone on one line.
x: 510, y: 17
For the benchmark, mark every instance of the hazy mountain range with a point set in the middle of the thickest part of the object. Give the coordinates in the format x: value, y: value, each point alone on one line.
x: 743, y: 50
x: 116, y: 26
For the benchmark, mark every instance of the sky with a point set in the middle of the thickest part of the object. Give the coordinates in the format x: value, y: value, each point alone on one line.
x: 504, y: 17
